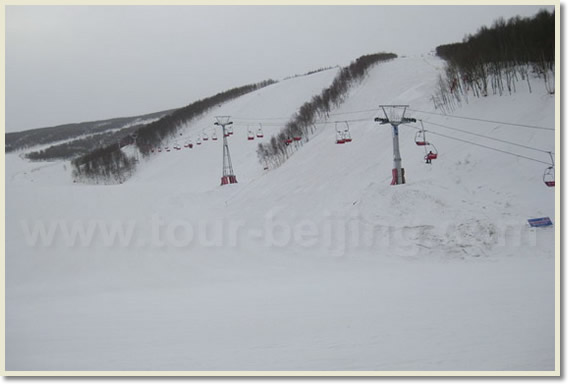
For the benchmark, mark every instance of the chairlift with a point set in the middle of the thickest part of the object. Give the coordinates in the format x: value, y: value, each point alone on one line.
x: 339, y: 138
x: 288, y: 141
x: 430, y: 150
x: 347, y: 133
x: 548, y: 176
x: 230, y: 130
x: 342, y: 134
x: 198, y: 142
x: 431, y: 153
x: 214, y: 136
x: 339, y: 135
x: 259, y: 132
x: 205, y: 136
x: 250, y: 136
x: 420, y: 138
x: 297, y: 138
x: 177, y: 147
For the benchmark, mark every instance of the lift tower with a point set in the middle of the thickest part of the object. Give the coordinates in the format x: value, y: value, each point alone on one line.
x: 394, y: 115
x: 228, y: 174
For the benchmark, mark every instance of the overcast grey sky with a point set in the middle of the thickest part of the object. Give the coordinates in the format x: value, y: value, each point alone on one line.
x: 69, y: 64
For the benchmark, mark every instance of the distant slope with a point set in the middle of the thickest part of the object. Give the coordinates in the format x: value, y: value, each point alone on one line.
x: 49, y: 135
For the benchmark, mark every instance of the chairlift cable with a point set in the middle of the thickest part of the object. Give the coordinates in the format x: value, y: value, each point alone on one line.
x: 485, y: 121
x: 487, y: 137
x: 484, y: 146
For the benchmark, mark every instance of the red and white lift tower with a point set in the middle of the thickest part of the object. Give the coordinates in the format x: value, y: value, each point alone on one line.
x: 228, y: 174
x: 394, y: 115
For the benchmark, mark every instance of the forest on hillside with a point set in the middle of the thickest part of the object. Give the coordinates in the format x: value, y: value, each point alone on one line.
x: 494, y: 58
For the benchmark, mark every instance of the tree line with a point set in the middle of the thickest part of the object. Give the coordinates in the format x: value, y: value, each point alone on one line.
x: 495, y: 58
x: 302, y: 124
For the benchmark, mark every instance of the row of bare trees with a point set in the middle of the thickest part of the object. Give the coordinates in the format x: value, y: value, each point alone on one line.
x: 302, y: 125
x: 495, y: 59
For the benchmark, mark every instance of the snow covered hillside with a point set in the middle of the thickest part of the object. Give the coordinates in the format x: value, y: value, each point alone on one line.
x: 319, y: 264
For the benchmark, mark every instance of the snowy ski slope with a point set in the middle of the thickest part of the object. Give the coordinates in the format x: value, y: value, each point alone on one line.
x: 319, y: 264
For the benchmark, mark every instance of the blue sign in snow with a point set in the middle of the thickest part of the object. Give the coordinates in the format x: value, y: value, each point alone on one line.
x: 540, y: 222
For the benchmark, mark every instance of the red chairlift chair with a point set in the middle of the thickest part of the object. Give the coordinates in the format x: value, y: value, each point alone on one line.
x: 548, y: 177
x: 420, y: 138
x: 342, y: 134
x: 431, y: 153
x: 339, y: 137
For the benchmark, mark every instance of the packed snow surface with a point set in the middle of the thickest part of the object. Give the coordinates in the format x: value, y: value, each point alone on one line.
x: 319, y: 264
